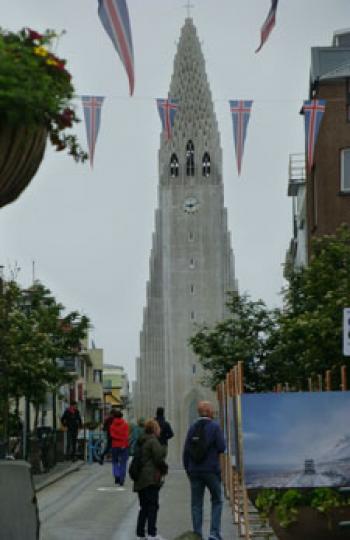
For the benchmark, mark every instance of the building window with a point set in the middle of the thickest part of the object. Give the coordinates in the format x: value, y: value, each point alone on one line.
x: 97, y: 376
x: 190, y: 236
x: 345, y: 170
x: 192, y: 315
x: 348, y: 100
x: 193, y: 369
x: 192, y: 289
x: 192, y: 263
x: 174, y: 166
x: 206, y: 165
x: 190, y: 159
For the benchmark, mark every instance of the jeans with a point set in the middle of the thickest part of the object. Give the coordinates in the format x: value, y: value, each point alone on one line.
x: 149, y: 505
x: 212, y: 481
x: 71, y: 443
x: 119, y: 461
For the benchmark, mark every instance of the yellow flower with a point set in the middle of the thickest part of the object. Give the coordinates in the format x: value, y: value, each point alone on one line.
x: 41, y: 51
x: 51, y: 62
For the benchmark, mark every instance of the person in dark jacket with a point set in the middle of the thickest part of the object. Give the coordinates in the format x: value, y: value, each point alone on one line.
x: 166, y: 431
x: 119, y: 432
x: 206, y: 473
x: 150, y: 480
x: 136, y: 431
x: 71, y: 420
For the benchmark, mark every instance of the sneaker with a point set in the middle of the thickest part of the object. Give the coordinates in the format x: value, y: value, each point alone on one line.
x: 155, y: 537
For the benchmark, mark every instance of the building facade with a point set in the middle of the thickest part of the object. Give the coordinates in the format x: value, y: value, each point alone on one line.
x: 191, y: 263
x: 328, y: 183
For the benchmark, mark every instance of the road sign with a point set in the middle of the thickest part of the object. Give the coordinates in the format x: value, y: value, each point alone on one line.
x: 346, y: 332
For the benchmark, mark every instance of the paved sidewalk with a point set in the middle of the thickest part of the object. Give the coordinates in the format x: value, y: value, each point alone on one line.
x: 60, y: 470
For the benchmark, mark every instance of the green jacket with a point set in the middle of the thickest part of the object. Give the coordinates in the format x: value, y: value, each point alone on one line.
x: 153, y: 454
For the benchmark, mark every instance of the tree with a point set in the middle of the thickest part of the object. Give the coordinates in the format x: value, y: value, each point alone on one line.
x: 308, y: 339
x: 241, y: 337
x: 33, y: 334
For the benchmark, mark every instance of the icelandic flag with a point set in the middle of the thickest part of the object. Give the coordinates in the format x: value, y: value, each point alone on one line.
x: 114, y: 16
x: 269, y: 23
x: 313, y: 111
x: 92, y: 106
x: 167, y: 109
x: 240, y: 111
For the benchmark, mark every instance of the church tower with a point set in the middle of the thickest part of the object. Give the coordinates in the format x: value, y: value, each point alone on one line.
x: 191, y: 264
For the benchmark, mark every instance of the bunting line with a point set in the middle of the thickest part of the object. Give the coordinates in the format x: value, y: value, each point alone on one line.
x: 240, y: 111
x: 269, y: 24
x: 313, y: 111
x: 114, y: 16
x: 92, y: 106
x: 167, y: 109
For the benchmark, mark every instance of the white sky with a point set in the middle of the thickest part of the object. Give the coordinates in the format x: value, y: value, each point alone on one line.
x: 89, y: 232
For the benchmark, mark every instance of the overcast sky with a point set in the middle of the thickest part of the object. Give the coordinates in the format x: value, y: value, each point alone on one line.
x: 89, y: 231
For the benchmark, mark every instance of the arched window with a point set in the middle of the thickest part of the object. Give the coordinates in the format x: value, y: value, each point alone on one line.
x: 174, y: 166
x: 206, y: 164
x: 190, y: 158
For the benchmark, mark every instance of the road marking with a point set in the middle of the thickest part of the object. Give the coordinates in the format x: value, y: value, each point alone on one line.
x: 110, y: 489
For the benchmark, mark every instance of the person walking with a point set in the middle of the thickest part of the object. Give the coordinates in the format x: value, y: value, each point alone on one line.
x: 119, y: 432
x: 106, y: 427
x: 71, y: 420
x: 203, y: 445
x: 150, y: 480
x: 136, y: 431
x: 166, y: 431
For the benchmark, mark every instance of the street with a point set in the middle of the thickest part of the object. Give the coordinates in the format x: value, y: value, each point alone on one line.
x: 86, y: 505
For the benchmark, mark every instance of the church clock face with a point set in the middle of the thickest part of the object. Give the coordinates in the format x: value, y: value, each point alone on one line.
x: 190, y: 205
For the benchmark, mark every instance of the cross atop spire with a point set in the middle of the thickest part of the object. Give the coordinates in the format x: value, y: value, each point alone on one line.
x: 189, y: 6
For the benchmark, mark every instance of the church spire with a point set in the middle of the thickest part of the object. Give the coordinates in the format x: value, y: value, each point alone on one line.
x: 195, y: 122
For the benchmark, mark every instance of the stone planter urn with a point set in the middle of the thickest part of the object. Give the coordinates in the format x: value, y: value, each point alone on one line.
x: 21, y: 152
x: 312, y: 525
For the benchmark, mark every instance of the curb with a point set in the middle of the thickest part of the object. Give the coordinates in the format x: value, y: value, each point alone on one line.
x: 39, y: 486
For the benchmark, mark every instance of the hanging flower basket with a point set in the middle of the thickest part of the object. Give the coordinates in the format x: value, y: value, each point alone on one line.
x: 21, y: 152
x: 35, y: 104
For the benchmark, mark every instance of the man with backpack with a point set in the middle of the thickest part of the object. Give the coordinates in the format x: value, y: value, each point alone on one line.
x: 203, y: 446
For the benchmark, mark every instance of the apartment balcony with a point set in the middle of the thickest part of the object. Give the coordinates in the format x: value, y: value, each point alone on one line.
x: 94, y: 391
x: 296, y: 173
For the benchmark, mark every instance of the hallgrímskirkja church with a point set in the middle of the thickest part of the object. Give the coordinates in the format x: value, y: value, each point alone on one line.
x: 191, y: 262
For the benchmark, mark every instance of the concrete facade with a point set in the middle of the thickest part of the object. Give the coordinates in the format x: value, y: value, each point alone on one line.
x: 191, y: 263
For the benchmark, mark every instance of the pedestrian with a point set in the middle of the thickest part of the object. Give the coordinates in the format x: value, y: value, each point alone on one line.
x: 166, y: 431
x: 150, y: 480
x: 106, y: 427
x: 201, y: 458
x: 71, y: 420
x: 119, y: 432
x: 135, y: 433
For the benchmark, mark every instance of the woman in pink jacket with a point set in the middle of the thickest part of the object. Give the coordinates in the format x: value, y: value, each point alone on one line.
x: 119, y: 432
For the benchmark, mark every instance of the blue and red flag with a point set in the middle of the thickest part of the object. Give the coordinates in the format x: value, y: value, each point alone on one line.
x: 313, y: 111
x: 92, y: 106
x: 240, y: 110
x: 167, y: 109
x: 114, y: 16
x: 269, y: 23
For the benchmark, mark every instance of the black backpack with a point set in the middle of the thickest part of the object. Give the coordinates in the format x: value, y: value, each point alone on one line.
x: 135, y: 466
x: 198, y: 445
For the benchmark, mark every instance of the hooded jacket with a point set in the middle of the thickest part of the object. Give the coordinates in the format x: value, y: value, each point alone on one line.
x: 153, y: 454
x: 119, y: 432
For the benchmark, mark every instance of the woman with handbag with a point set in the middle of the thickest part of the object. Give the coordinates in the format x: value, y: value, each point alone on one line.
x: 149, y: 481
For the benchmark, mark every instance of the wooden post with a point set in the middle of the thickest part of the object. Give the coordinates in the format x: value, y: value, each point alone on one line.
x: 309, y: 382
x: 279, y: 388
x: 344, y: 385
x: 328, y: 380
x: 240, y: 369
x: 320, y: 383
